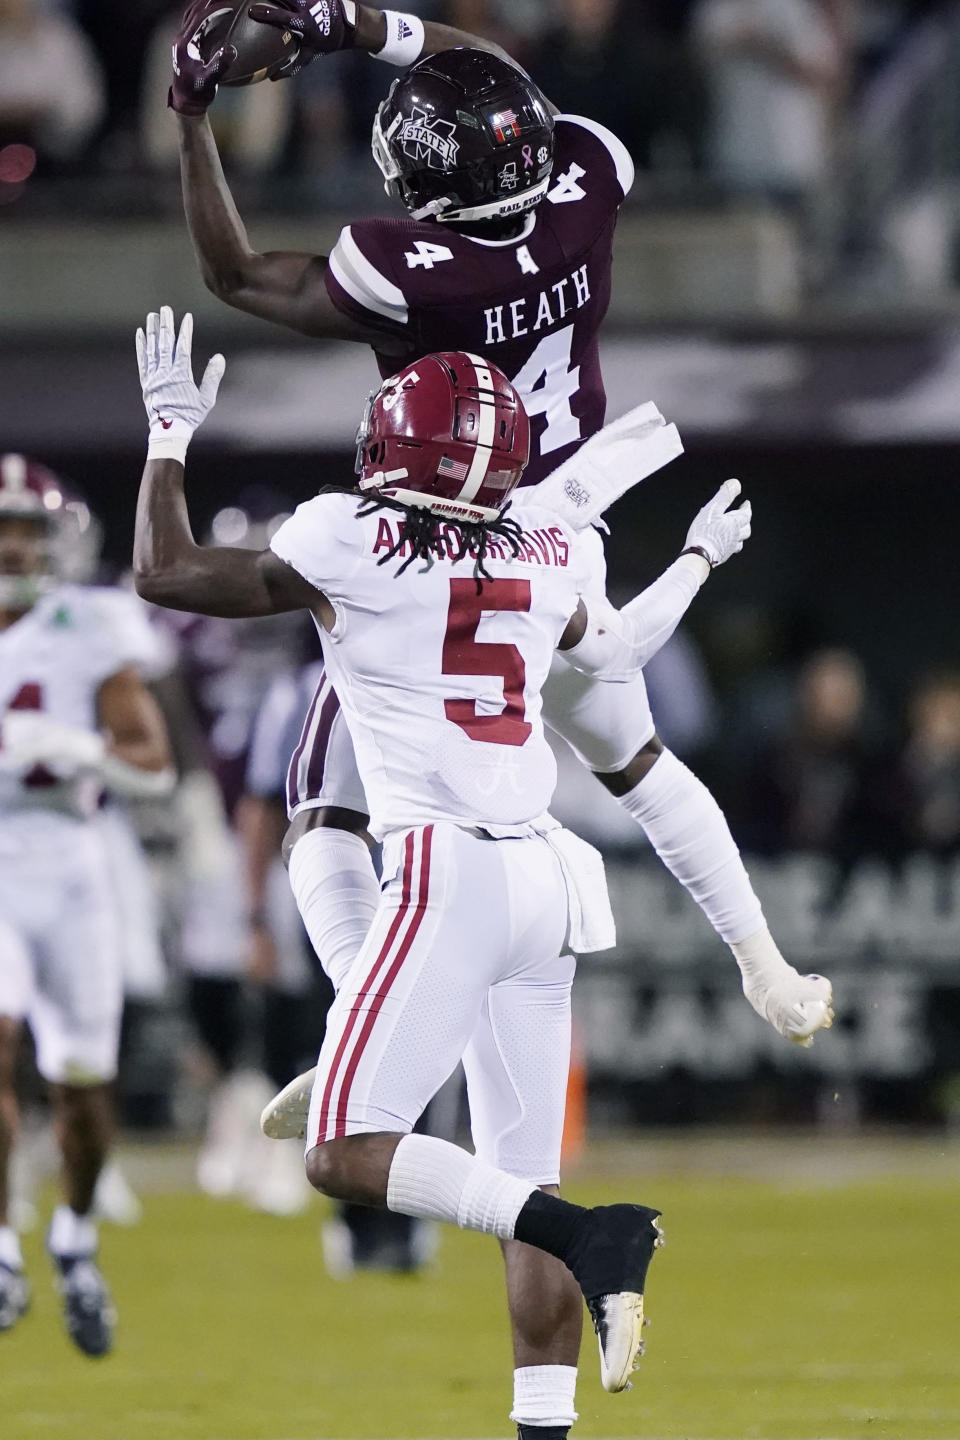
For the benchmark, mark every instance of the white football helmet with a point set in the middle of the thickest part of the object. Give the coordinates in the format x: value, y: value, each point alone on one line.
x: 28, y: 490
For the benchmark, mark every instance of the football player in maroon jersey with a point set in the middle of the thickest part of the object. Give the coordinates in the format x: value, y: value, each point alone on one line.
x: 505, y: 251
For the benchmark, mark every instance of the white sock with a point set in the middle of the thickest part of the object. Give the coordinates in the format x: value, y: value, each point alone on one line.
x: 337, y: 893
x: 544, y: 1395
x: 10, y: 1253
x: 687, y: 828
x: 435, y: 1180
x: 71, y: 1234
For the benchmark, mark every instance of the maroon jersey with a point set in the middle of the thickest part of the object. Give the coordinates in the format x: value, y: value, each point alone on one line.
x: 533, y: 304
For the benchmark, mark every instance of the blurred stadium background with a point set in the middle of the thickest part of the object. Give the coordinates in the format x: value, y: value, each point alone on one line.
x: 787, y: 288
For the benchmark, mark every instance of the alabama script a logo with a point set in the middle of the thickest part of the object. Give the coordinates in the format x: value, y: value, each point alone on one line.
x: 432, y: 140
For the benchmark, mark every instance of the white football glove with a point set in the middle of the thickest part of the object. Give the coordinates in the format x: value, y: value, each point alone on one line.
x: 175, y: 404
x: 717, y: 530
x: 31, y: 738
x: 797, y: 1006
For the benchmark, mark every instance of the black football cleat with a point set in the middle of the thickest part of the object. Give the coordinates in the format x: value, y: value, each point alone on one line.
x: 88, y: 1310
x: 611, y: 1267
x: 14, y: 1296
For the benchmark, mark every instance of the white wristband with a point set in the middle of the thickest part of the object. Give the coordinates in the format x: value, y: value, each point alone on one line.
x: 404, y: 42
x: 170, y: 441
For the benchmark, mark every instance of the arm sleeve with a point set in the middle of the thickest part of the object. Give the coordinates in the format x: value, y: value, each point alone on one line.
x: 618, y: 643
x: 358, y: 284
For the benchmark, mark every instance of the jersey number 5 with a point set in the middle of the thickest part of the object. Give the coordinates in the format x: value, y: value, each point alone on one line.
x: 464, y: 654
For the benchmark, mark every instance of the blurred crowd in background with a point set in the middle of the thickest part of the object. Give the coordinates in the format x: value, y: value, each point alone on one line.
x: 746, y: 95
x: 825, y: 110
x: 807, y: 751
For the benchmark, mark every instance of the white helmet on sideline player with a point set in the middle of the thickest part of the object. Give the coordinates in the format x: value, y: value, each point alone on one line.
x: 29, y: 491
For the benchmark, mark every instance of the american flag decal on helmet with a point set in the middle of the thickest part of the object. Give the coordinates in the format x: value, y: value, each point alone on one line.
x: 505, y: 125
x: 452, y: 469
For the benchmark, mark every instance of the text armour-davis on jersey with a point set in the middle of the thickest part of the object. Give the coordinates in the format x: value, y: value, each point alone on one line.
x: 440, y: 684
x: 533, y: 304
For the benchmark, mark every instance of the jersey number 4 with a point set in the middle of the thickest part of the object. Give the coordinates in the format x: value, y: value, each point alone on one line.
x: 464, y: 654
x: 547, y: 384
x: 30, y: 697
x: 426, y: 254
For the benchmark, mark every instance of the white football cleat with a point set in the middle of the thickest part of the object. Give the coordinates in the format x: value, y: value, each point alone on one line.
x: 797, y: 1007
x: 610, y: 1264
x: 618, y: 1321
x: 285, y: 1116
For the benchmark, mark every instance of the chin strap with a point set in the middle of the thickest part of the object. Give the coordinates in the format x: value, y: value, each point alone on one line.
x: 379, y: 478
x: 435, y: 207
x: 503, y: 209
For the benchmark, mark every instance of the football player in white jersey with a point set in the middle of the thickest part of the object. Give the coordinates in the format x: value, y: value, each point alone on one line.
x: 505, y: 249
x: 75, y: 719
x: 438, y: 617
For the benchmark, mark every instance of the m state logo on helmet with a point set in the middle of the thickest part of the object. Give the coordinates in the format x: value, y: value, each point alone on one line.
x: 449, y: 434
x: 464, y: 136
x: 28, y: 490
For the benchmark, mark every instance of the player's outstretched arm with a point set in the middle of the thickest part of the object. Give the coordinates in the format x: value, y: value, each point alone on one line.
x: 137, y: 759
x: 333, y: 25
x: 169, y: 567
x: 284, y: 286
x: 616, y: 644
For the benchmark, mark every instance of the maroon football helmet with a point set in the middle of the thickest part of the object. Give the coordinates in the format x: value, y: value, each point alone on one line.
x: 449, y: 433
x: 465, y: 136
x: 30, y: 491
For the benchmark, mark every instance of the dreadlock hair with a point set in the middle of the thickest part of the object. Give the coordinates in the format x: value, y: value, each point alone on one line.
x: 421, y: 528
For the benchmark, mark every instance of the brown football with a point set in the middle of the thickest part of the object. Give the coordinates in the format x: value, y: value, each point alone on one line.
x: 261, y: 49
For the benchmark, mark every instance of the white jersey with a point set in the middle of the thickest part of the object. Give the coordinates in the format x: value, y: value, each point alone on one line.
x: 54, y: 659
x: 440, y: 685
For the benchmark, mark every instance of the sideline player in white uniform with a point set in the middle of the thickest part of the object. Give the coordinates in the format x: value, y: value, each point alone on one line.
x: 506, y: 251
x: 439, y: 637
x: 75, y: 719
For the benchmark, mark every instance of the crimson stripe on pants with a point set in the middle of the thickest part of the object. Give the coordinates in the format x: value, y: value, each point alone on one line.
x: 382, y: 955
x: 381, y: 995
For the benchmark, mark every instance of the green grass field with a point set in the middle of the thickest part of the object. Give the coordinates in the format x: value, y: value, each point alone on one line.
x: 805, y: 1292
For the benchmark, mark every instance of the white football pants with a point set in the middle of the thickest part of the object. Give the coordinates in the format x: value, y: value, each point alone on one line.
x: 463, y: 961
x: 60, y: 962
